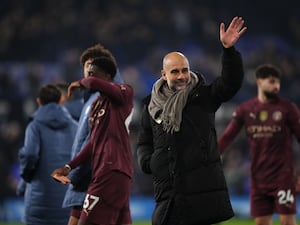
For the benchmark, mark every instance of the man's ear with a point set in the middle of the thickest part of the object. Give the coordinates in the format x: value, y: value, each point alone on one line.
x: 163, y: 74
x: 63, y: 99
x: 38, y: 101
x: 258, y: 82
x: 108, y: 77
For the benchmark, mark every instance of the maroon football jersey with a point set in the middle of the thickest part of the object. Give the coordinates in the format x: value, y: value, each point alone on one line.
x: 269, y: 128
x: 108, y: 147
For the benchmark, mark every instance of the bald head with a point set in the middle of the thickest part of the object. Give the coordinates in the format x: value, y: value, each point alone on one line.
x: 176, y: 70
x: 174, y: 58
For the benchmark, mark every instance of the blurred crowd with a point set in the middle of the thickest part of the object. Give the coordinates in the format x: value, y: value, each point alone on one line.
x: 41, y: 42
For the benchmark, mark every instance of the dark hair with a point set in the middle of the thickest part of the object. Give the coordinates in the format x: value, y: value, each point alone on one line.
x: 267, y: 70
x: 49, y: 93
x: 95, y: 51
x: 106, y: 64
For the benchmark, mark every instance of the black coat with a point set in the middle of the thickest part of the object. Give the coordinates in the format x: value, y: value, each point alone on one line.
x: 189, y: 182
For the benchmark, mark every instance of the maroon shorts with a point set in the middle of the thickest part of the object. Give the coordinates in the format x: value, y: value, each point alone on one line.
x: 76, y: 211
x: 266, y: 201
x: 107, y: 200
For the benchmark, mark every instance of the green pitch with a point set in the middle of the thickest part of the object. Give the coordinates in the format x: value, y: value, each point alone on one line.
x: 244, y: 222
x: 230, y: 222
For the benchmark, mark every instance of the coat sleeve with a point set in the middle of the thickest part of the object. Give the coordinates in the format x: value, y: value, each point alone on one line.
x: 29, y: 153
x: 231, y: 79
x: 81, y: 175
x: 145, y: 142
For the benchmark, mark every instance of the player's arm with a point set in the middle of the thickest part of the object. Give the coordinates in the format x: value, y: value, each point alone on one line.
x: 117, y: 92
x: 60, y: 174
x: 294, y: 124
x: 231, y: 131
x: 294, y: 121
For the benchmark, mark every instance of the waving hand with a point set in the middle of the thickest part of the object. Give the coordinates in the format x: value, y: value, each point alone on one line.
x: 234, y: 31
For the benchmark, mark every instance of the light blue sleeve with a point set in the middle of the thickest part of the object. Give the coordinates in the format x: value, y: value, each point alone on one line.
x: 118, y: 79
x: 82, y: 133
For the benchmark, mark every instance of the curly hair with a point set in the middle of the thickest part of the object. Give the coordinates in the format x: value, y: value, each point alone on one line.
x: 95, y: 51
x: 267, y: 70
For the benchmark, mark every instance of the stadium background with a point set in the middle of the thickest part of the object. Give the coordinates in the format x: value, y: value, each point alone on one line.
x: 41, y: 41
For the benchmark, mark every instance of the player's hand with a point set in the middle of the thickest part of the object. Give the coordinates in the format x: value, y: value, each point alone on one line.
x: 60, y: 175
x: 72, y: 87
x: 234, y: 31
x: 61, y: 179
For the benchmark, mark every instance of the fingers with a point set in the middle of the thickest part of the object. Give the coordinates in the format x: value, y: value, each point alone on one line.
x: 242, y: 31
x: 60, y: 172
x: 70, y: 91
x: 61, y: 179
x: 222, y: 28
x: 240, y: 26
x: 237, y: 23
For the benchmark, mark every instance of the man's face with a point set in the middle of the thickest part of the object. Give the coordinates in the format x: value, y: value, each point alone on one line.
x: 95, y: 71
x: 270, y: 87
x: 86, y: 66
x: 177, y: 74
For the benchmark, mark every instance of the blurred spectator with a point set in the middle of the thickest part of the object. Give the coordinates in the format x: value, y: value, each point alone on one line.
x: 48, y: 140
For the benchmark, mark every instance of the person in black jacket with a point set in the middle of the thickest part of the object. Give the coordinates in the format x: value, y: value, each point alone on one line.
x: 177, y: 140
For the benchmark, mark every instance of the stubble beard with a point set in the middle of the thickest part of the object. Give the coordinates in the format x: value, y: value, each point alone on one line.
x: 271, y: 95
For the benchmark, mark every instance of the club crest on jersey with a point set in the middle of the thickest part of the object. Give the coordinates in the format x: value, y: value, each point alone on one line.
x: 263, y: 116
x: 277, y: 115
x: 252, y: 115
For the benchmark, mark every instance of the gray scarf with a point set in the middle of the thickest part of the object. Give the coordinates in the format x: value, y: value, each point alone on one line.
x: 166, y: 105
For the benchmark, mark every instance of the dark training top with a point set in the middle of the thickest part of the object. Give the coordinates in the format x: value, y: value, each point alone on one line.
x: 269, y: 128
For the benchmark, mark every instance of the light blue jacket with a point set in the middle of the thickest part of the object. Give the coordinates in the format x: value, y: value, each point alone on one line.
x: 47, y: 146
x: 80, y: 176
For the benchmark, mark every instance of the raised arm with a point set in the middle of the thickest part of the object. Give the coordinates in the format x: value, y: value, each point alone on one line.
x: 227, y: 85
x: 119, y: 93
